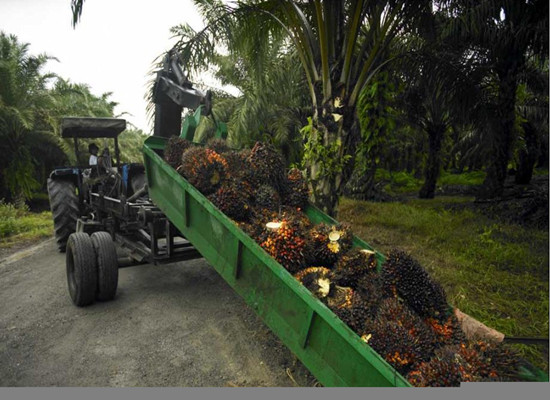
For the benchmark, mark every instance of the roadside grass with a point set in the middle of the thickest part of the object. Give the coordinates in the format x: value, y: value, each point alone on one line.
x: 495, y: 272
x: 19, y: 224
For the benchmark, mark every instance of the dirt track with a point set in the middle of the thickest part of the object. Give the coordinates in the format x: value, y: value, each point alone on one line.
x: 173, y: 325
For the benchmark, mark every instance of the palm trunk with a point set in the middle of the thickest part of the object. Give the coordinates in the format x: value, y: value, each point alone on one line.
x: 326, y: 181
x: 435, y: 138
x: 527, y: 155
x: 503, y: 137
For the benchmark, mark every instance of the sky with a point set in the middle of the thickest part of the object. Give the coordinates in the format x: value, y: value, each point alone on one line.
x: 112, y: 48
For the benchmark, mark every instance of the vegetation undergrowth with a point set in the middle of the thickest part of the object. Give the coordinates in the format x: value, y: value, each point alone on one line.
x: 17, y: 224
x: 402, y: 182
x: 495, y: 272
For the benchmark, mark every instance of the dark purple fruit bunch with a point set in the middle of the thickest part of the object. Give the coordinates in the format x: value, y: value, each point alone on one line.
x: 267, y: 197
x: 370, y: 289
x: 316, y: 280
x: 448, y: 331
x: 393, y: 309
x: 174, y: 150
x: 296, y: 192
x: 350, y: 307
x: 405, y: 277
x: 352, y: 266
x: 230, y: 200
x: 268, y: 165
x: 440, y: 371
x: 203, y: 168
x: 501, y: 362
x: 218, y: 145
x: 327, y: 243
x: 395, y: 343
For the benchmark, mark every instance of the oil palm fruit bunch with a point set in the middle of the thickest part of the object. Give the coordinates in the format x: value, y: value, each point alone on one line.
x: 174, y: 150
x: 394, y: 343
x: 296, y: 192
x: 218, y: 145
x: 370, y: 289
x: 284, y: 242
x: 230, y: 200
x: 316, y: 280
x: 328, y: 242
x: 448, y: 331
x: 352, y: 266
x: 441, y: 371
x: 350, y: 307
x: 203, y: 168
x: 502, y: 361
x: 237, y: 165
x: 267, y: 164
x: 405, y: 277
x: 393, y: 309
x: 266, y: 196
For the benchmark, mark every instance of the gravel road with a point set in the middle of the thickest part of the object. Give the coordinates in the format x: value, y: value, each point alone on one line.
x: 176, y: 325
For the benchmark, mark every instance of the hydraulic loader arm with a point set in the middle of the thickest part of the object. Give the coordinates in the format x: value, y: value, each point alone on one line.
x: 171, y: 93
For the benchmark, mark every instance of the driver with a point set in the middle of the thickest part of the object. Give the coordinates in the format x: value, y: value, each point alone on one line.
x: 93, y: 149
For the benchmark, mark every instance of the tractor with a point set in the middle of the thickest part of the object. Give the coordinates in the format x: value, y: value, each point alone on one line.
x: 103, y: 217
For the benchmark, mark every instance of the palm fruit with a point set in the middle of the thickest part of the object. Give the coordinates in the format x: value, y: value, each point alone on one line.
x: 395, y: 343
x: 218, y: 145
x: 236, y: 165
x: 370, y: 289
x: 268, y: 165
x: 441, y: 371
x: 266, y: 196
x: 328, y: 242
x: 286, y: 244
x: 448, y: 331
x: 203, y: 168
x: 316, y: 280
x: 502, y: 361
x: 352, y: 266
x: 350, y: 307
x: 393, y: 309
x: 295, y: 192
x: 405, y: 277
x: 174, y: 150
x: 230, y: 200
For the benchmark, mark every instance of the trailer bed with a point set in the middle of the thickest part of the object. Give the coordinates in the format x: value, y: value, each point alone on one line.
x: 332, y: 352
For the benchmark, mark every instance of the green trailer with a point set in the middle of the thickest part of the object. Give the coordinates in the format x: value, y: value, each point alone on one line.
x: 333, y: 353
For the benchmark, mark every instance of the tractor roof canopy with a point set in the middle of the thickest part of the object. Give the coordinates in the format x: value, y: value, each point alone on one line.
x: 72, y: 127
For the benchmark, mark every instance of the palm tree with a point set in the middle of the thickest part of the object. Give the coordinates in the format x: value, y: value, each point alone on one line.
x: 439, y: 94
x: 340, y: 45
x: 502, y: 35
x: 24, y: 99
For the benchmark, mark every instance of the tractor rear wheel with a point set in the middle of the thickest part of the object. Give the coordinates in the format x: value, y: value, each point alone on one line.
x: 107, y: 266
x: 65, y: 209
x: 81, y: 269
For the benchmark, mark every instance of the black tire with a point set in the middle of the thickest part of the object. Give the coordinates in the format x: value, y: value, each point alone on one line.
x: 107, y: 266
x: 65, y: 209
x: 81, y: 269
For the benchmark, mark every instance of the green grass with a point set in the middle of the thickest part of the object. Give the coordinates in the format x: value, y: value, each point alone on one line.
x: 402, y: 182
x: 495, y: 272
x: 465, y: 178
x: 17, y: 224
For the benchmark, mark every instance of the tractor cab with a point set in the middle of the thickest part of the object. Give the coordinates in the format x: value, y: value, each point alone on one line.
x: 96, y: 131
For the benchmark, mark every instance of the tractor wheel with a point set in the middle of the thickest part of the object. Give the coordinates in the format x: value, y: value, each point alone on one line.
x: 81, y: 269
x: 107, y: 266
x: 65, y: 210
